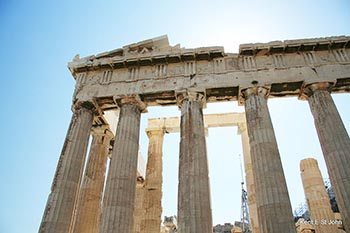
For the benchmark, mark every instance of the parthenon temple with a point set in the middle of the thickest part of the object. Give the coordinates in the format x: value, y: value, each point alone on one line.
x: 114, y: 88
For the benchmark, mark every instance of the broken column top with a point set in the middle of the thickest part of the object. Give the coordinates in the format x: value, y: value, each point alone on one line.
x: 308, y: 163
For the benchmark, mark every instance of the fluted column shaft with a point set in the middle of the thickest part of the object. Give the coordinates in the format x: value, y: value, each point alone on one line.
x: 194, y: 208
x: 335, y: 144
x: 272, y: 198
x: 316, y: 196
x: 253, y: 213
x: 139, y: 211
x: 152, y: 202
x: 88, y: 208
x: 60, y: 205
x: 119, y: 199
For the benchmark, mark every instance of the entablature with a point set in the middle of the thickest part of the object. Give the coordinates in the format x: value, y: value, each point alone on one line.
x: 145, y: 53
x: 220, y: 76
x: 292, y: 46
x: 172, y: 124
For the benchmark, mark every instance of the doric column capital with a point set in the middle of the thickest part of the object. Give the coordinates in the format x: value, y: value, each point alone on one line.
x: 257, y: 90
x: 190, y: 95
x: 136, y: 100
x: 310, y: 89
x: 155, y: 132
x: 103, y: 132
x: 87, y: 105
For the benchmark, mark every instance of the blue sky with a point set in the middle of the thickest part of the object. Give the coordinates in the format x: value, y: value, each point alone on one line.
x: 38, y: 38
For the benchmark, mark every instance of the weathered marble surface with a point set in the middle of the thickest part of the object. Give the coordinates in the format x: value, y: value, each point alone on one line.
x: 155, y: 69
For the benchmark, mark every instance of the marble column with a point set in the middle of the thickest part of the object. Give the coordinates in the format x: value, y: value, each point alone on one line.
x: 253, y: 213
x: 194, y: 208
x: 335, y: 144
x: 139, y: 211
x: 60, y: 205
x: 316, y: 196
x: 119, y: 198
x: 272, y: 198
x: 88, y: 208
x: 152, y: 202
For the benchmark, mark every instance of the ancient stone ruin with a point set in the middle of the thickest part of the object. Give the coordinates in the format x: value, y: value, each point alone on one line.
x: 153, y: 73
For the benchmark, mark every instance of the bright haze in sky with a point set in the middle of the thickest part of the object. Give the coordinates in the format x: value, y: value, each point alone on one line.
x: 38, y: 38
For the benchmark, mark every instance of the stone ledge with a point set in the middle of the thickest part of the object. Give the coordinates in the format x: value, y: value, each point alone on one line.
x: 298, y: 45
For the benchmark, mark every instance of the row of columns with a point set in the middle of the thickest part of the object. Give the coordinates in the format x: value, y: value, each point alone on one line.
x: 274, y: 211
